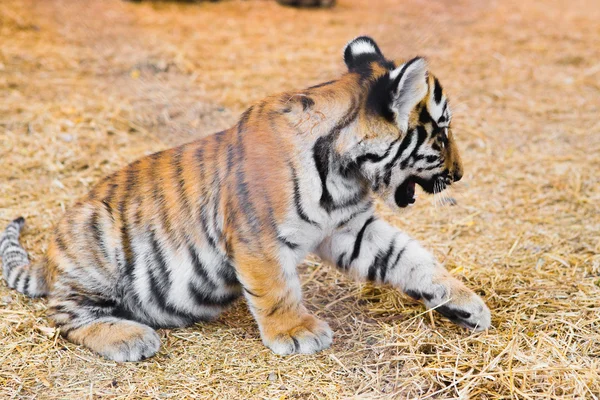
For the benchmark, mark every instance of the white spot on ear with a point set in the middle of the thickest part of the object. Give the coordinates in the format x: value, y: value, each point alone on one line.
x: 394, y: 74
x: 362, y: 47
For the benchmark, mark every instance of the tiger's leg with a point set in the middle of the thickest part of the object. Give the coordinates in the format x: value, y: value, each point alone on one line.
x: 371, y: 249
x: 275, y: 299
x: 95, y: 322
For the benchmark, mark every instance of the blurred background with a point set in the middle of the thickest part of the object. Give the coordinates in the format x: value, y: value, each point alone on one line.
x: 88, y: 86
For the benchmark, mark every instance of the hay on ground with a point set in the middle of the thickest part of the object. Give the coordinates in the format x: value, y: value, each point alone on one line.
x: 86, y: 87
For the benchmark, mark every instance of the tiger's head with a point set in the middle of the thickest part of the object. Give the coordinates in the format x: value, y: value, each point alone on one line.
x: 403, y: 134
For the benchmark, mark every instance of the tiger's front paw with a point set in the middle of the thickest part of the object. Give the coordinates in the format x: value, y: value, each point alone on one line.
x: 456, y: 302
x: 307, y: 337
x: 468, y: 311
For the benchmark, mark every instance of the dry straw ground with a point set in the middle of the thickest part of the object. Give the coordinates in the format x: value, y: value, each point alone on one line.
x: 87, y: 86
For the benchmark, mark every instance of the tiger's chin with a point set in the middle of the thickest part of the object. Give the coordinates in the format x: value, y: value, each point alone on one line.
x: 404, y: 195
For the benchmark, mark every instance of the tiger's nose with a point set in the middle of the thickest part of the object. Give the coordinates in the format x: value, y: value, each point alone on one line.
x: 457, y: 175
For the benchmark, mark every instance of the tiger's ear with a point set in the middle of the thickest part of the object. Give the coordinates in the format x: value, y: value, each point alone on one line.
x: 408, y: 88
x: 360, y: 52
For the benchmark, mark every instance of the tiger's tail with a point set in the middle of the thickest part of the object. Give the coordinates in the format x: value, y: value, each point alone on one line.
x: 18, y: 272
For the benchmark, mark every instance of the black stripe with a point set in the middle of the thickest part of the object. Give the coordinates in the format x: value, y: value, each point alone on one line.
x: 403, y: 70
x: 437, y: 91
x: 179, y: 178
x: 199, y: 157
x: 355, y: 214
x: 159, y: 257
x: 18, y: 277
x: 156, y: 290
x: 62, y: 309
x: 322, y: 84
x: 215, y: 215
x: 230, y: 159
x: 26, y: 284
x: 216, y: 185
x: 59, y: 239
x: 443, y: 117
x: 340, y: 261
x: 159, y: 196
x: 403, y: 146
x: 261, y: 107
x: 355, y: 199
x: 420, y: 140
x: 227, y: 273
x: 128, y: 252
x: 160, y: 281
x: 199, y: 268
x: 272, y: 222
x: 425, y: 117
x: 251, y: 293
x: 275, y: 308
x: 96, y: 305
x: 380, y: 263
x: 60, y: 242
x: 375, y: 266
x: 373, y: 269
x: 108, y: 198
x: 5, y: 238
x: 244, y: 120
x: 219, y: 138
x: 359, y: 238
x: 15, y: 249
x: 160, y: 296
x: 204, y: 200
x: 204, y: 224
x: 372, y: 157
x: 205, y: 299
x: 241, y: 186
x: 286, y: 242
x: 321, y: 158
x: 383, y: 267
x: 98, y: 234
x: 400, y: 253
x: 298, y: 199
x: 322, y: 152
x: 431, y: 167
x: 246, y: 203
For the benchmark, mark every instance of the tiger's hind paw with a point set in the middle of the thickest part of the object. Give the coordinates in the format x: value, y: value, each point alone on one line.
x: 118, y: 340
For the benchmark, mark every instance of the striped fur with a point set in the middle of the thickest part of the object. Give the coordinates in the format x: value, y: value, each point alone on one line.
x: 177, y: 236
x: 16, y: 268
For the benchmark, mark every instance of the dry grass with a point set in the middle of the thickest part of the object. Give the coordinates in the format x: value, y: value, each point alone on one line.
x: 87, y: 86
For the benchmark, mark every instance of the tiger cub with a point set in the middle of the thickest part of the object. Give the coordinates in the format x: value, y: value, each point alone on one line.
x: 177, y: 236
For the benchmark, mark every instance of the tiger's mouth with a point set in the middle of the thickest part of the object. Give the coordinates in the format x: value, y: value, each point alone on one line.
x: 405, y: 192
